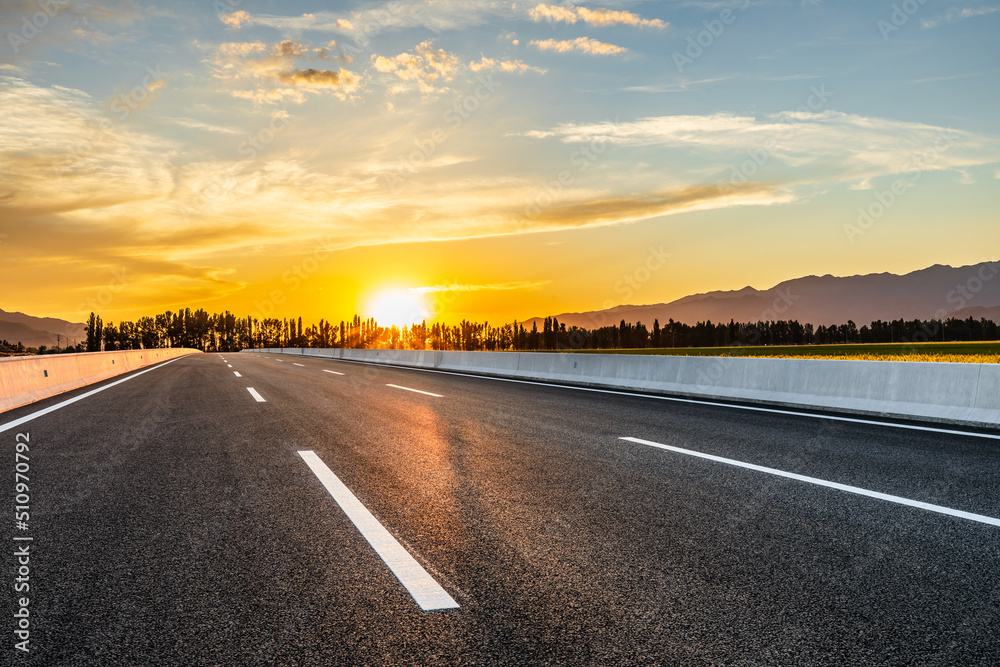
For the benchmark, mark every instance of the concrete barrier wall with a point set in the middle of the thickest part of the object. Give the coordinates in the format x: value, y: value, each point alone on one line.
x: 967, y: 394
x: 25, y: 380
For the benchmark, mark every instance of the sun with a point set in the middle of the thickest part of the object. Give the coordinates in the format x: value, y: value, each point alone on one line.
x: 397, y: 307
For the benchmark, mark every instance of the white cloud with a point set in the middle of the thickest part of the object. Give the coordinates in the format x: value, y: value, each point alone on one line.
x: 57, y: 149
x: 438, y: 16
x: 855, y: 148
x: 170, y: 204
x: 236, y: 20
x: 595, y: 17
x: 679, y: 87
x: 242, y: 48
x: 201, y: 125
x: 510, y: 66
x: 581, y: 44
x: 28, y: 26
x: 957, y: 14
x: 425, y: 66
x: 934, y: 79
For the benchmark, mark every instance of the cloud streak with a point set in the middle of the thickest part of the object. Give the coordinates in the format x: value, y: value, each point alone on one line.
x: 957, y: 14
x: 594, y: 17
x: 854, y: 147
x: 509, y: 66
x: 370, y: 19
x: 580, y: 44
x: 489, y: 287
x: 616, y: 210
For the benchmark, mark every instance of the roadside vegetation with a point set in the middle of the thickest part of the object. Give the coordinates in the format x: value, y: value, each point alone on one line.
x: 984, y: 352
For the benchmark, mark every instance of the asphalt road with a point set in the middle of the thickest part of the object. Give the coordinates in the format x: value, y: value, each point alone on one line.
x: 174, y: 522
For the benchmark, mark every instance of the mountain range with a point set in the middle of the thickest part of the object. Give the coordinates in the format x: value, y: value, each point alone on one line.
x: 932, y: 293
x: 935, y: 292
x: 37, y: 331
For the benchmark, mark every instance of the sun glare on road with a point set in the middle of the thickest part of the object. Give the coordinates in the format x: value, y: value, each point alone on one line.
x: 398, y: 307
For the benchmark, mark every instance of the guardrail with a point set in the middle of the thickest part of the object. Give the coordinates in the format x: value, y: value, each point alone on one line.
x: 25, y: 380
x: 953, y: 393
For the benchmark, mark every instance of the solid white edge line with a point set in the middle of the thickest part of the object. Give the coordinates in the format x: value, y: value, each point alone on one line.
x: 415, y: 391
x: 257, y: 397
x: 57, y: 406
x: 334, y: 372
x: 427, y: 592
x: 822, y: 482
x: 237, y: 374
x: 693, y: 401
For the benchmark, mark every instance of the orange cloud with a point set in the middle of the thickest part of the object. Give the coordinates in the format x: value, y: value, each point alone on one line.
x: 424, y: 66
x: 344, y: 79
x: 236, y: 20
x: 601, y: 211
x: 281, y: 62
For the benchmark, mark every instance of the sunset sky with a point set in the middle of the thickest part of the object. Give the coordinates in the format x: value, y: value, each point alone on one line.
x: 497, y: 160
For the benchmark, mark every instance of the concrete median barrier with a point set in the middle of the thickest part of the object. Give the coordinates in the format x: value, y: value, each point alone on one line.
x: 25, y: 380
x: 965, y: 394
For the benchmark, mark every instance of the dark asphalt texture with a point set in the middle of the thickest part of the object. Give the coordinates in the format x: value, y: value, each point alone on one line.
x: 175, y: 524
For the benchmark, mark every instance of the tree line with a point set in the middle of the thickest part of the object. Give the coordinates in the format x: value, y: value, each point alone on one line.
x: 225, y: 332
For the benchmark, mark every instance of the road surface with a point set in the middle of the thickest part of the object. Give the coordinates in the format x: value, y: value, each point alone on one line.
x: 260, y: 509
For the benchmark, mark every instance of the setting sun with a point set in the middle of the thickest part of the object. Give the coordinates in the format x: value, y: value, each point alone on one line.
x: 397, y: 307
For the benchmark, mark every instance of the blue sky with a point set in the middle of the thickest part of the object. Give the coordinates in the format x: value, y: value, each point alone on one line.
x: 500, y: 159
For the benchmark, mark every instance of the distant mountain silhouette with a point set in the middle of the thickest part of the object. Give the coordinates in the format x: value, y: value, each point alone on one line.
x: 37, y: 331
x: 978, y: 313
x: 934, y: 292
